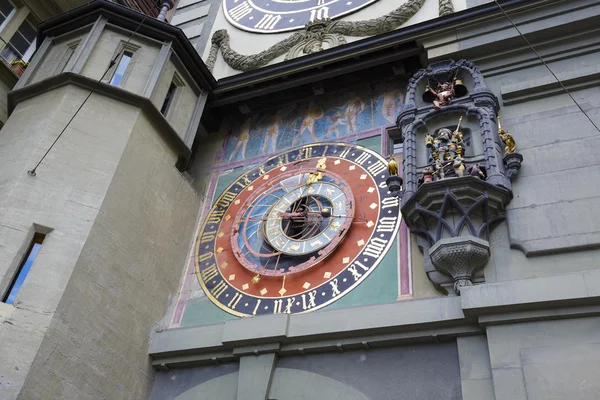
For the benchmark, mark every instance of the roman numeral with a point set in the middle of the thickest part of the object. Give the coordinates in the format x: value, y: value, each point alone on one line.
x: 375, y: 247
x: 334, y: 288
x: 387, y: 224
x: 205, y: 256
x: 390, y: 202
x: 215, y: 217
x: 277, y: 306
x: 234, y: 301
x: 240, y: 11
x: 208, y: 236
x: 243, y: 182
x: 256, y: 307
x: 288, y: 306
x: 344, y: 153
x: 354, y: 271
x: 268, y: 22
x: 218, y: 289
x: 362, y: 158
x: 311, y: 300
x: 377, y: 168
x: 209, y: 273
x: 305, y: 152
x: 321, y: 13
x: 226, y: 199
x: 282, y: 160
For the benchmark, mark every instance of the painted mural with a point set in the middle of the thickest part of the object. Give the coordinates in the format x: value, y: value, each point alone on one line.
x: 323, y: 118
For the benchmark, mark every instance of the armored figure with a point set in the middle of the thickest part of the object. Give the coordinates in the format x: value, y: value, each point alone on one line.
x: 441, y: 143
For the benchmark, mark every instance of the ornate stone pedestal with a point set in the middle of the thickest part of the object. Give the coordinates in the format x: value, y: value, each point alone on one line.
x: 458, y: 165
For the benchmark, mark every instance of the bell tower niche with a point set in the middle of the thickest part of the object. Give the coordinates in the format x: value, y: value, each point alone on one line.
x: 458, y: 166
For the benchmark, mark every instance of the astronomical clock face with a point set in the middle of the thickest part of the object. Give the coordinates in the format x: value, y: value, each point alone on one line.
x: 270, y: 16
x: 297, y: 232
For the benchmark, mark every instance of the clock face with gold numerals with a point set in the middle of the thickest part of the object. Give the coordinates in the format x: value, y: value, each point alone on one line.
x: 297, y: 232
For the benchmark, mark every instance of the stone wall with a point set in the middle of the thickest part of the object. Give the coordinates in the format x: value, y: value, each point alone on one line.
x: 128, y: 271
x: 64, y: 197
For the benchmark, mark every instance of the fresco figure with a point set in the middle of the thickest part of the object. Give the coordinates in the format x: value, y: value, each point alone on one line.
x: 336, y: 121
x: 274, y: 127
x: 354, y: 107
x: 242, y: 140
x: 392, y: 100
x: 313, y: 113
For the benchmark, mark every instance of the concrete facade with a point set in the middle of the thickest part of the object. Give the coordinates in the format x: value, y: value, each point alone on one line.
x: 112, y: 200
x: 121, y: 194
x: 528, y: 329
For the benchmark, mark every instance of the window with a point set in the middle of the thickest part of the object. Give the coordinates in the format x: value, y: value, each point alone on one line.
x: 5, y: 9
x: 21, y: 45
x: 172, y: 94
x: 395, y: 145
x: 24, y: 268
x: 121, y: 68
x: 62, y: 65
x: 168, y: 98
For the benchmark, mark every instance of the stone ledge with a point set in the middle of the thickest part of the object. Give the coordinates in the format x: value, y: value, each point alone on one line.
x: 69, y: 78
x: 344, y: 329
x: 532, y: 294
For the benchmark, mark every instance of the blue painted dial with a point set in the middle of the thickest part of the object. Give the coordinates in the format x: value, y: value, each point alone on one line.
x: 271, y: 16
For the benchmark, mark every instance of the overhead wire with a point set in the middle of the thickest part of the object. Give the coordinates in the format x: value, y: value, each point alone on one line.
x: 546, y: 65
x: 32, y: 172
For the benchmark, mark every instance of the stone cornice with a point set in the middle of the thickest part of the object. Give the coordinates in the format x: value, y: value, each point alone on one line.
x: 68, y: 78
x: 427, y: 320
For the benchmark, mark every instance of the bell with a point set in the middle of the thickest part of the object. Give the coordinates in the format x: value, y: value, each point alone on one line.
x: 460, y: 89
x: 428, y: 97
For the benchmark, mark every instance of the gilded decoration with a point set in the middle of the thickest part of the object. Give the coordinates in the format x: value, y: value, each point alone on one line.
x: 317, y: 36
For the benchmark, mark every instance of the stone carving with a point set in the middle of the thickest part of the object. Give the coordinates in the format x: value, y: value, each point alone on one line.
x: 452, y: 199
x: 512, y: 159
x: 446, y: 151
x: 446, y: 7
x: 315, y: 36
x: 460, y: 257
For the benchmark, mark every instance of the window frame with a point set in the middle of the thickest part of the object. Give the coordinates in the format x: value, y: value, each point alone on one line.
x: 37, y: 239
x: 179, y: 84
x: 122, y: 47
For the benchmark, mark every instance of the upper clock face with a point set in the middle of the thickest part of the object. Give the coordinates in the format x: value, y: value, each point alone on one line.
x: 270, y: 16
x: 297, y: 232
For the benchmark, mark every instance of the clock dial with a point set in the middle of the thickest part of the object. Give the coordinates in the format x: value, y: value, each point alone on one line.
x: 270, y: 16
x: 298, y: 231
